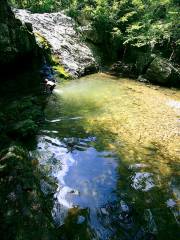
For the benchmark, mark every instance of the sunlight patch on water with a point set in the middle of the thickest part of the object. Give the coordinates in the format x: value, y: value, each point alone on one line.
x: 174, y: 104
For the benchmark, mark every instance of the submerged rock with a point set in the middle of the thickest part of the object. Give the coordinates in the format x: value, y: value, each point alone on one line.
x: 64, y: 40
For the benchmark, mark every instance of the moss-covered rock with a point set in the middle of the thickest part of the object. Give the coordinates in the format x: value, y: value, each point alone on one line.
x: 42, y: 42
x: 61, y: 72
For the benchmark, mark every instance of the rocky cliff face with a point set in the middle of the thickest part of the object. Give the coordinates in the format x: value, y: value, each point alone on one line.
x: 16, y: 39
x: 64, y: 40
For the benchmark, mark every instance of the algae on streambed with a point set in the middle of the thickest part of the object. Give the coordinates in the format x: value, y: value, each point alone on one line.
x: 131, y: 124
x: 141, y: 118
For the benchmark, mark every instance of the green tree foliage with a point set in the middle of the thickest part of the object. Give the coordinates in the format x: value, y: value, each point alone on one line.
x: 38, y: 5
x: 136, y: 23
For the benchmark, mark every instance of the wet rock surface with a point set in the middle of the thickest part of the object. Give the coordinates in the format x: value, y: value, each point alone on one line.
x: 64, y: 40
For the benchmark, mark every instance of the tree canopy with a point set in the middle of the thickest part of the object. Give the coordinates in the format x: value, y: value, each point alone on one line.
x: 137, y: 23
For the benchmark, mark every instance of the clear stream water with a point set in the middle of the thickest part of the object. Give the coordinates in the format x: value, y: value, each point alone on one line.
x: 113, y: 147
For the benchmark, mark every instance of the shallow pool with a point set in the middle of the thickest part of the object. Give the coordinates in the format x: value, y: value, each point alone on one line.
x: 113, y: 147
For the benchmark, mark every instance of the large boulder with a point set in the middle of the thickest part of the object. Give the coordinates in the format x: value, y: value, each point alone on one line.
x: 65, y: 41
x: 15, y: 38
x: 161, y: 71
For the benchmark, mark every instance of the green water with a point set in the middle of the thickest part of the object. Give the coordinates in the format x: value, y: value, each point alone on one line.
x: 113, y: 147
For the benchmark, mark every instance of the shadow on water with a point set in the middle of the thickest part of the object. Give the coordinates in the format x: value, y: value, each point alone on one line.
x: 107, y: 187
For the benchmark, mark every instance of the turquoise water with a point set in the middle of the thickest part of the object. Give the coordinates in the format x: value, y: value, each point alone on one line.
x: 110, y: 183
